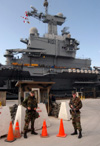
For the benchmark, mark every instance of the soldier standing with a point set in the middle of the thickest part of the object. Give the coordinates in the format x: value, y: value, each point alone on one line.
x: 75, y: 105
x: 51, y: 101
x: 30, y: 104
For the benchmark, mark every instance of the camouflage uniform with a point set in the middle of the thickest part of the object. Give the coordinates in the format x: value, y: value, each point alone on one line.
x: 77, y: 104
x: 31, y: 115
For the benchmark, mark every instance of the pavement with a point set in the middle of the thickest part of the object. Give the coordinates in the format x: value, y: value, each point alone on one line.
x: 90, y: 119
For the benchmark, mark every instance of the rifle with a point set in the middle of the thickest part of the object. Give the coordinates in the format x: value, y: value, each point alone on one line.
x: 32, y: 108
x: 72, y: 109
x: 34, y: 112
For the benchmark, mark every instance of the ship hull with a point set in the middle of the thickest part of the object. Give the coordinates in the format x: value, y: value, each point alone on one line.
x: 65, y: 80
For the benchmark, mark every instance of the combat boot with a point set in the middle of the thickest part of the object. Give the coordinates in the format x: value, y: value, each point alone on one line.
x: 25, y: 135
x: 33, y: 132
x: 75, y: 132
x: 80, y: 134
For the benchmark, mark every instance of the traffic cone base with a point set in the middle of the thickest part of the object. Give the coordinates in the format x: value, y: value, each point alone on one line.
x: 58, y: 135
x: 61, y: 130
x: 10, y: 140
x: 44, y: 136
x: 10, y: 137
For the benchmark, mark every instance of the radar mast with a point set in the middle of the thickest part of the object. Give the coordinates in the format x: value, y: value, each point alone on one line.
x: 51, y: 20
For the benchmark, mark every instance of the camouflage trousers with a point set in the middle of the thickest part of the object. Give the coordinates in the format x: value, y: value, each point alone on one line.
x: 30, y: 117
x: 76, y: 121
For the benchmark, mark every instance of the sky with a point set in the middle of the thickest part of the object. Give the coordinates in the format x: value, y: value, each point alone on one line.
x: 83, y: 20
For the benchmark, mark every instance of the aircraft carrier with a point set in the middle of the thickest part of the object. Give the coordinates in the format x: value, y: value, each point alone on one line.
x: 51, y: 58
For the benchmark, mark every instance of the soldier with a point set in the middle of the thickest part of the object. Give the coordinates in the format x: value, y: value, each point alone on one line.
x: 30, y: 104
x: 76, y: 104
x: 51, y: 101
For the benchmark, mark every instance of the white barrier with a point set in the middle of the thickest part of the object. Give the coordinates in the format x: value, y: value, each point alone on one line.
x: 64, y: 112
x: 5, y: 120
x: 20, y: 116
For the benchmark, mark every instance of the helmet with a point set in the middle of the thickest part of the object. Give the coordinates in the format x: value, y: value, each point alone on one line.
x: 32, y: 92
x: 73, y: 92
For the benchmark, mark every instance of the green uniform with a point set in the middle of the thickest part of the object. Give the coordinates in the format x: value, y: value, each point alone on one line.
x: 31, y: 115
x: 77, y: 104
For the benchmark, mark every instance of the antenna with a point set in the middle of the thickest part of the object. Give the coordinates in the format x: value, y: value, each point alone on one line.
x: 46, y: 6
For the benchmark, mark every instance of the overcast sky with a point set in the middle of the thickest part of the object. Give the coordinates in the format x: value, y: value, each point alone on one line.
x: 83, y: 20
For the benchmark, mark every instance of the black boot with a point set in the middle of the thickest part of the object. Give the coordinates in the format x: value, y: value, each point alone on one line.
x: 25, y: 135
x: 33, y: 132
x: 75, y: 132
x: 80, y: 134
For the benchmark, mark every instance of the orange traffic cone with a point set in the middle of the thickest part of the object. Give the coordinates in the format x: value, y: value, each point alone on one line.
x: 61, y: 130
x: 44, y: 130
x: 17, y: 131
x: 10, y: 137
